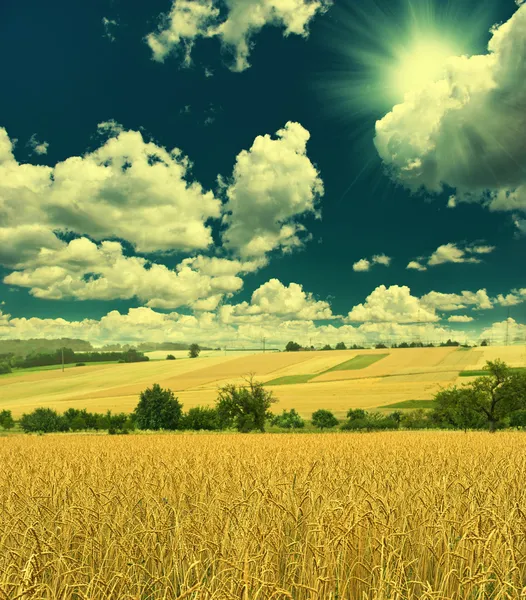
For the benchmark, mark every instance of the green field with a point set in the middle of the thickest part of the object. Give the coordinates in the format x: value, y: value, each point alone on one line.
x: 480, y: 372
x: 358, y: 362
x: 411, y: 404
x: 290, y: 379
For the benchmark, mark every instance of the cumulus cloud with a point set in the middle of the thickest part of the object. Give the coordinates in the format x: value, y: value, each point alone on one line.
x: 415, y: 265
x: 36, y: 146
x: 365, y: 264
x: 507, y: 331
x: 394, y: 304
x: 144, y: 324
x: 83, y: 270
x: 189, y: 20
x: 466, y: 130
x: 516, y: 297
x: 127, y: 188
x: 273, y: 184
x: 460, y: 319
x: 448, y: 302
x: 273, y: 298
x: 451, y: 253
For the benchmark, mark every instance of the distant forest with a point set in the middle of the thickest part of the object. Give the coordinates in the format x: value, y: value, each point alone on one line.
x: 43, y: 346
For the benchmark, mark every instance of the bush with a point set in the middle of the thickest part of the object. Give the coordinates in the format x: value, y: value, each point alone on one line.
x: 359, y: 419
x: 416, y: 419
x: 292, y: 347
x: 201, y: 418
x: 170, y: 357
x: 288, y: 420
x: 80, y: 365
x: 45, y: 420
x: 517, y: 419
x: 6, y: 419
x: 5, y: 368
x: 324, y: 419
x: 158, y: 409
x: 245, y: 408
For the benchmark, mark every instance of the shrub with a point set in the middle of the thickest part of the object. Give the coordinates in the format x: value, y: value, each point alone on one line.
x: 80, y: 365
x: 45, y: 420
x: 6, y: 419
x: 324, y: 419
x: 170, y: 357
x: 288, y: 420
x: 5, y: 368
x: 201, y: 418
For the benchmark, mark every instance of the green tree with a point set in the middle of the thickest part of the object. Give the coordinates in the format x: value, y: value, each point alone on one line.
x: 5, y: 368
x: 341, y: 346
x: 6, y: 419
x: 327, y: 347
x: 493, y: 397
x: 289, y: 419
x: 324, y: 419
x: 170, y: 357
x: 194, y: 350
x: 245, y: 407
x: 484, y: 343
x: 292, y: 347
x: 201, y: 418
x: 45, y: 420
x: 158, y: 409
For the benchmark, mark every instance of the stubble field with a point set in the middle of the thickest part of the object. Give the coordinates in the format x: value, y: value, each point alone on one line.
x: 397, y: 375
x: 403, y: 515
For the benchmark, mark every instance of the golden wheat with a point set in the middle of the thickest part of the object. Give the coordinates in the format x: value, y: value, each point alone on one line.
x: 390, y: 516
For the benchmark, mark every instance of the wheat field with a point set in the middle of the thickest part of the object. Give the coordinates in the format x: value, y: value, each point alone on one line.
x: 390, y: 516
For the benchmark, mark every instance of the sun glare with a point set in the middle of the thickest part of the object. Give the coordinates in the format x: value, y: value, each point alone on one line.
x: 423, y: 63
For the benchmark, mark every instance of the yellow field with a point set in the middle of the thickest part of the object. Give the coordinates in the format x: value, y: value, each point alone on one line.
x: 406, y: 374
x: 404, y: 515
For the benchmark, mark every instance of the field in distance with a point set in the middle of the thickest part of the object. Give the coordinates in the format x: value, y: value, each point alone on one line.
x: 306, y: 381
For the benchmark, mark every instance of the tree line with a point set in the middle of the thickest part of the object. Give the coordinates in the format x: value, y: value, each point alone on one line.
x: 10, y: 361
x: 295, y: 347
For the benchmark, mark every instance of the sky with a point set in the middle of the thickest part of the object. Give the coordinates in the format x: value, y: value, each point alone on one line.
x: 224, y: 171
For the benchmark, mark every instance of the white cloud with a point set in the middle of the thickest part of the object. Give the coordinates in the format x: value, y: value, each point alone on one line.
x: 460, y: 319
x: 189, y: 20
x: 127, y: 188
x: 516, y: 297
x: 415, y: 265
x: 86, y: 271
x: 36, y: 146
x: 145, y: 324
x: 507, y: 331
x: 466, y: 130
x: 287, y: 302
x: 362, y: 265
x: 394, y: 304
x: 365, y: 264
x: 450, y: 253
x: 447, y: 302
x: 272, y: 185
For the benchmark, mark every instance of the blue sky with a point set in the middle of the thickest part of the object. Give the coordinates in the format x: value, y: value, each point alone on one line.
x: 263, y: 168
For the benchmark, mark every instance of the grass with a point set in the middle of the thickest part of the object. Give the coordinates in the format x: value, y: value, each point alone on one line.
x: 405, y: 515
x: 462, y: 349
x: 56, y: 367
x: 411, y: 404
x: 290, y: 379
x: 481, y: 372
x: 358, y: 362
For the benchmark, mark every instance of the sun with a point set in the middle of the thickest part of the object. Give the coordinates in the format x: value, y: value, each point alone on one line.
x: 384, y: 49
x: 422, y: 63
